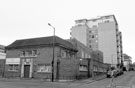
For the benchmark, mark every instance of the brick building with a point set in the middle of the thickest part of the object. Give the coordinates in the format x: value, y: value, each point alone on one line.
x: 90, y: 62
x: 2, y: 59
x: 32, y: 58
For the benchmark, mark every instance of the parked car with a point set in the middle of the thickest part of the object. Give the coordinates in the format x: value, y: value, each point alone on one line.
x: 112, y: 73
x: 120, y: 72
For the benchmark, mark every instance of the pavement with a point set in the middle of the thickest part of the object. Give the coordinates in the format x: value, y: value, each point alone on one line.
x: 39, y: 83
x: 91, y: 80
x: 88, y: 80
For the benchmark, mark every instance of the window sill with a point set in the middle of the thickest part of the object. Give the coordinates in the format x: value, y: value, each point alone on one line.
x: 82, y: 71
x: 43, y: 72
x: 13, y: 70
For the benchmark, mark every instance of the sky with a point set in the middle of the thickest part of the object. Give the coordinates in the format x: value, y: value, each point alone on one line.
x: 22, y: 19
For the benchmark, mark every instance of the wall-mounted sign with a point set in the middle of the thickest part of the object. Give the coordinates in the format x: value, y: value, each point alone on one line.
x: 12, y: 60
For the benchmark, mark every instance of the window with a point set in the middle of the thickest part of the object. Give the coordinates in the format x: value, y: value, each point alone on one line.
x: 92, y: 36
x: 95, y: 68
x: 89, y: 56
x: 44, y: 68
x: 63, y: 54
x: 35, y: 52
x: 107, y: 21
x: 29, y: 53
x: 82, y: 54
x: 13, y: 67
x: 89, y: 46
x: 86, y: 56
x: 94, y: 25
x: 83, y: 68
x: 2, y: 51
x: 23, y: 53
x: 89, y: 41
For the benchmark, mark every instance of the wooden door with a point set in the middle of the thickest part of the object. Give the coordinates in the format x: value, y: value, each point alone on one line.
x: 26, y: 71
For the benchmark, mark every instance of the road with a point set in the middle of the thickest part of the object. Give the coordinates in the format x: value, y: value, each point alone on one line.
x: 125, y: 81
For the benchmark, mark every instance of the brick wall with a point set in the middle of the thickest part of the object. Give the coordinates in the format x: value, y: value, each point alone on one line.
x: 2, y: 66
x: 67, y: 67
x: 12, y: 54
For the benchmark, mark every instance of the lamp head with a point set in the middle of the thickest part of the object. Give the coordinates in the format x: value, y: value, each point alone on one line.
x: 49, y: 24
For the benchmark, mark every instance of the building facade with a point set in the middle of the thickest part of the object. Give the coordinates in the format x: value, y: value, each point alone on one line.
x: 90, y: 62
x: 32, y: 58
x: 2, y: 60
x: 127, y: 62
x: 100, y: 34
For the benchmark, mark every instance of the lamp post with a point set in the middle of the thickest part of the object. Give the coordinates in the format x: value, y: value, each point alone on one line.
x: 112, y: 60
x: 53, y: 51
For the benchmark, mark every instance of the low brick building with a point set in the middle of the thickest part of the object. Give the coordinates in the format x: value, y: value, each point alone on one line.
x: 90, y: 61
x: 32, y: 58
x: 2, y: 60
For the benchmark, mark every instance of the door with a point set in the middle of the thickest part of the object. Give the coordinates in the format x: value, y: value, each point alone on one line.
x: 26, y: 71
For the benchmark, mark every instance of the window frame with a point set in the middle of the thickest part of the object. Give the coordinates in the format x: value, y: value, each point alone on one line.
x: 13, y: 68
x: 43, y: 68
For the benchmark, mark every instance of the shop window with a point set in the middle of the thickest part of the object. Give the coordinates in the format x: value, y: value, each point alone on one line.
x: 13, y: 67
x: 44, y: 68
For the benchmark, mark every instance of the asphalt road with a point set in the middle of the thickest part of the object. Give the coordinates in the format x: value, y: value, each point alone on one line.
x: 125, y: 81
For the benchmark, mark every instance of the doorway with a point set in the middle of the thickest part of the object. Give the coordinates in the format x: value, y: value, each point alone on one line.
x: 26, y: 71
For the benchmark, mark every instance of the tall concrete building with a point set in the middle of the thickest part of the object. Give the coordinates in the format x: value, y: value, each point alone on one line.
x: 100, y: 34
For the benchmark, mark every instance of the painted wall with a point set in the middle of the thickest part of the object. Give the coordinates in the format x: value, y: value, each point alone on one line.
x: 107, y: 42
x: 80, y: 33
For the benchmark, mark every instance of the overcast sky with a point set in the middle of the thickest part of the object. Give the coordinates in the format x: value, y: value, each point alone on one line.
x: 21, y: 19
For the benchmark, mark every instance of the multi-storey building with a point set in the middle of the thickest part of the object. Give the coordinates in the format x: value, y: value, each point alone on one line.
x: 2, y: 59
x: 100, y: 34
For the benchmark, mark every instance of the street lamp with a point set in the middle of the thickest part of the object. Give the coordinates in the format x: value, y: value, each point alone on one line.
x: 53, y: 51
x: 112, y: 60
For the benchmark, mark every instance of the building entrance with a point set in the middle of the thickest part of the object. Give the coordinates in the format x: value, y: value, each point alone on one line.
x: 26, y: 71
